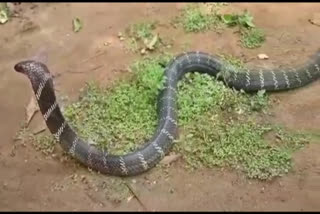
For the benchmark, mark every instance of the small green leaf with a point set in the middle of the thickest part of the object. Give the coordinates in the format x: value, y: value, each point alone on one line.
x: 229, y: 19
x: 77, y: 24
x: 261, y: 93
x: 4, y: 17
x: 246, y: 20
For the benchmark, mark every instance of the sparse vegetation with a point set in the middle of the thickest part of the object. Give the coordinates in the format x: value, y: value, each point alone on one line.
x: 239, y: 144
x: 44, y: 143
x: 252, y: 38
x: 244, y: 20
x: 194, y: 19
x: 141, y: 37
x: 142, y: 30
x: 234, y: 61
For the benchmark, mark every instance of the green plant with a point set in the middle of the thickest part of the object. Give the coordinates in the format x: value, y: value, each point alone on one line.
x: 45, y: 144
x: 252, y: 38
x: 232, y: 60
x: 141, y: 36
x: 142, y: 30
x: 242, y: 20
x: 237, y: 144
x: 193, y: 19
x: 4, y: 13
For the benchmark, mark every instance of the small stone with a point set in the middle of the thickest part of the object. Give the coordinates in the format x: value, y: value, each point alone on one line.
x: 130, y: 198
x: 262, y: 56
x: 134, y: 181
x: 143, y: 51
x: 74, y: 177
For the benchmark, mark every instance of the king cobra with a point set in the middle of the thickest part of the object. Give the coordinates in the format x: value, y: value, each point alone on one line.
x: 153, y: 151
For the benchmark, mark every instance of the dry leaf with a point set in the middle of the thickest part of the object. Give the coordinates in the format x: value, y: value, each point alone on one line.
x: 31, y: 109
x: 169, y: 159
x: 40, y: 128
x: 154, y: 40
x: 77, y: 24
x: 315, y: 19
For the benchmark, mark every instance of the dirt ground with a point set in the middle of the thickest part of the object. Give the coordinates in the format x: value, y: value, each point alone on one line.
x: 31, y: 181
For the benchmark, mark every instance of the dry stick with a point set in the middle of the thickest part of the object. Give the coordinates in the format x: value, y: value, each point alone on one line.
x: 94, y: 56
x: 86, y: 60
x: 136, y: 196
x: 80, y: 72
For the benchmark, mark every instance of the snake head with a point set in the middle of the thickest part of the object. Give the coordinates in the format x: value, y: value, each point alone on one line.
x: 36, y: 71
x: 31, y: 68
x: 26, y: 67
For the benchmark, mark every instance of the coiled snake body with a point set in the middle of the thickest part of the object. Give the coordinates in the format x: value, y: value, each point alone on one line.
x: 158, y: 146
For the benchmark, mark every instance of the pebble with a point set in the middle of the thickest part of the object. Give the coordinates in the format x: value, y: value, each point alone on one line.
x: 143, y: 51
x: 171, y: 191
x: 263, y: 56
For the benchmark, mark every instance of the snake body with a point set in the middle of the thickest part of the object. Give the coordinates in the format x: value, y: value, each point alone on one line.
x: 148, y: 155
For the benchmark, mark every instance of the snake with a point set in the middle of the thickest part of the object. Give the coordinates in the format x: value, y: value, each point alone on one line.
x: 158, y: 146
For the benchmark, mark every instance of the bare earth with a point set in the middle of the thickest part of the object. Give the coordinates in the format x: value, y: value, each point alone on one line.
x: 31, y: 181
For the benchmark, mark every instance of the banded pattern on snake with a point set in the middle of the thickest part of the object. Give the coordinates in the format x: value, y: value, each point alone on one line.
x: 158, y: 146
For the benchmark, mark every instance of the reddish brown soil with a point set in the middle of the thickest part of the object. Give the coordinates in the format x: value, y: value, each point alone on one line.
x: 30, y: 181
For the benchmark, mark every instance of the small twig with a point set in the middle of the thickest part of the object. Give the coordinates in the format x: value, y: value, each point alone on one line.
x: 97, y: 67
x: 39, y: 131
x: 136, y: 196
x: 90, y: 58
x: 94, y: 200
x: 57, y: 75
x: 81, y: 72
